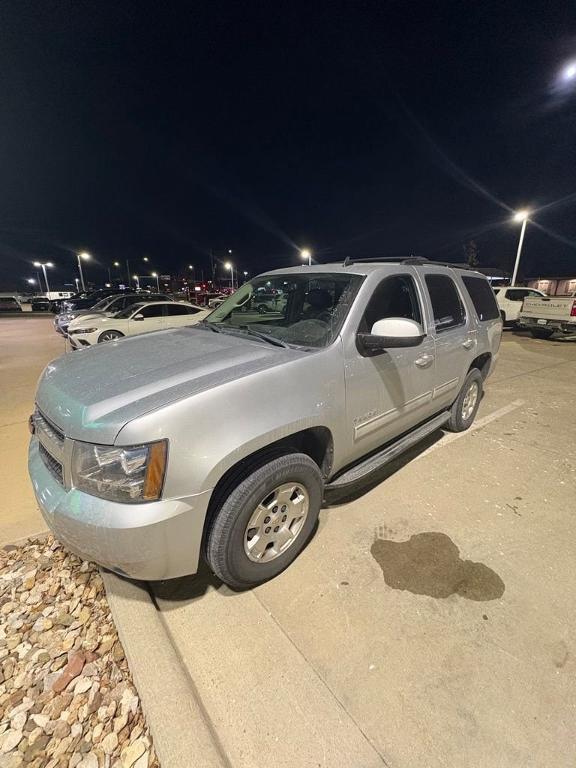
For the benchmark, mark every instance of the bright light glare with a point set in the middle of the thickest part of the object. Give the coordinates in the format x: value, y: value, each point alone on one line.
x: 84, y: 256
x: 135, y: 277
x: 31, y: 280
x: 49, y: 264
x: 228, y: 265
x: 521, y: 215
x: 37, y: 264
x: 305, y: 253
x: 569, y: 71
x: 154, y: 274
x: 145, y: 258
x: 116, y: 264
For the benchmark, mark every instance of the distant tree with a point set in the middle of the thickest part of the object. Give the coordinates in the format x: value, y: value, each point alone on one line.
x: 471, y: 253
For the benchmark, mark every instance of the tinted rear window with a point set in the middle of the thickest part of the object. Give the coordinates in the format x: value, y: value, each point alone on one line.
x: 482, y: 297
x: 446, y: 304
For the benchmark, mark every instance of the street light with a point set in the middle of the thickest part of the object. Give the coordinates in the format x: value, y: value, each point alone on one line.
x: 145, y: 258
x: 230, y: 267
x: 569, y: 72
x: 306, y: 253
x: 82, y: 257
x: 137, y: 281
x: 519, y: 216
x: 44, y: 265
x: 155, y: 274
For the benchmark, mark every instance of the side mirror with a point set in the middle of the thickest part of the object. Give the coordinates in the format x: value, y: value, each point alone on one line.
x: 138, y: 317
x: 390, y: 333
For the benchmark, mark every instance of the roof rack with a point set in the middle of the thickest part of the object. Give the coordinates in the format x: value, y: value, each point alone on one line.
x: 413, y: 260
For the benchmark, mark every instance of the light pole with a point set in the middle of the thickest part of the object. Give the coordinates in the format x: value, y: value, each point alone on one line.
x: 520, y: 216
x: 306, y: 253
x: 77, y: 281
x: 82, y: 257
x: 155, y: 274
x: 117, y: 265
x: 230, y: 267
x: 245, y: 275
x: 137, y: 281
x: 44, y: 265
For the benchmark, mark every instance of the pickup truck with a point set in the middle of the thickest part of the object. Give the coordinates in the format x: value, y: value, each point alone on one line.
x: 548, y: 315
x: 218, y: 441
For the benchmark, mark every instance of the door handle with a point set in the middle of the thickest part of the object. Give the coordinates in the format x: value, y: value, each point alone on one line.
x: 468, y: 344
x: 425, y: 361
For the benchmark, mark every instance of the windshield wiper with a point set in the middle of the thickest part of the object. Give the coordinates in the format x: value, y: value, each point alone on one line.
x: 265, y: 336
x: 210, y: 326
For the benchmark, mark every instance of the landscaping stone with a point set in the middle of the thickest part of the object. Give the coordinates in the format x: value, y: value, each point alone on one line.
x: 66, y: 696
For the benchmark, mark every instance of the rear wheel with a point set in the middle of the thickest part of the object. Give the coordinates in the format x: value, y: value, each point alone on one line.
x: 465, y: 407
x: 541, y: 333
x: 262, y: 309
x: 109, y: 336
x: 265, y: 522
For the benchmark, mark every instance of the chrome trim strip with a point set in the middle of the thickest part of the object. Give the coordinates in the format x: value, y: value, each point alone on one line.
x: 446, y: 387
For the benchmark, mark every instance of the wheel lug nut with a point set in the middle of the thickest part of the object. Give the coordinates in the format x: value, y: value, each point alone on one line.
x: 284, y: 508
x: 275, y: 509
x: 266, y: 519
x: 276, y: 529
x: 267, y: 530
x: 284, y: 519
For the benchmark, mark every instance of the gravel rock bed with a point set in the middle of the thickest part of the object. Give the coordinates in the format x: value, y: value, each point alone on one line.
x: 66, y: 695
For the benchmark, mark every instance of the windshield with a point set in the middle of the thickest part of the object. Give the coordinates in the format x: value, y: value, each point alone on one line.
x: 102, y: 303
x: 300, y: 309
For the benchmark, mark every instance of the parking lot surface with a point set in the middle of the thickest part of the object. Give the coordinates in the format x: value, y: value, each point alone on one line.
x: 428, y: 623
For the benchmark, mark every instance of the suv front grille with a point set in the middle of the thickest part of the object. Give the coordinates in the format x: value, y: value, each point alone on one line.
x: 52, y: 464
x: 50, y: 429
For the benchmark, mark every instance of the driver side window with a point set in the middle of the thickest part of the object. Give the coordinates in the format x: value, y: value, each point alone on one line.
x: 395, y: 296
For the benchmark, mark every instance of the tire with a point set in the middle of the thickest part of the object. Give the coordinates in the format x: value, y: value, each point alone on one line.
x: 110, y: 336
x: 541, y: 333
x: 463, y: 411
x: 262, y: 309
x: 232, y: 548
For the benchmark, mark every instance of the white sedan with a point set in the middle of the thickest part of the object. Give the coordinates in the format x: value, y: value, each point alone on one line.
x: 139, y: 318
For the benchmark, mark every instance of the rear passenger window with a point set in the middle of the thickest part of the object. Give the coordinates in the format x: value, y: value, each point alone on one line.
x: 395, y: 297
x: 482, y: 297
x: 446, y: 303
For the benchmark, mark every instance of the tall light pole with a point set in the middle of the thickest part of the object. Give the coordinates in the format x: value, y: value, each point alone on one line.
x: 520, y: 216
x: 155, y: 274
x: 82, y: 257
x: 306, y: 253
x: 137, y: 281
x: 117, y: 265
x: 230, y: 267
x: 245, y: 275
x: 44, y: 265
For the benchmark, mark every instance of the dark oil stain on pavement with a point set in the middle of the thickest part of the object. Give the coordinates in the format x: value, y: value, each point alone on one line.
x: 430, y: 564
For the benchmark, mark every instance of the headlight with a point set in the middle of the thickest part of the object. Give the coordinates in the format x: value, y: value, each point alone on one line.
x: 82, y: 330
x: 131, y: 474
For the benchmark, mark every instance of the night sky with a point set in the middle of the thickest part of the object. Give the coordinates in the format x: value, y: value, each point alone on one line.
x: 154, y: 129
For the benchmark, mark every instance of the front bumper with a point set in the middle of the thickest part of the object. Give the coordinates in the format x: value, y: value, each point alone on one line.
x: 152, y: 541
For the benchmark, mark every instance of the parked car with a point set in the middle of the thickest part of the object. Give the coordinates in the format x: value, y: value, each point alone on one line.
x: 219, y: 440
x: 106, y: 307
x: 544, y: 316
x: 135, y: 319
x: 87, y: 300
x: 10, y: 304
x: 510, y: 301
x: 40, y: 304
x: 216, y: 301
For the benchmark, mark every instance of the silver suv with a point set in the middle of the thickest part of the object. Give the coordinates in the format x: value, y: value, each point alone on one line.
x: 219, y: 440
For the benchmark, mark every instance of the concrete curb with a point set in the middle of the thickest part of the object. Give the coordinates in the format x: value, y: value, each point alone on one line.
x: 182, y: 732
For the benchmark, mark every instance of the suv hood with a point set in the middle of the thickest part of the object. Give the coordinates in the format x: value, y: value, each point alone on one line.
x: 91, y: 394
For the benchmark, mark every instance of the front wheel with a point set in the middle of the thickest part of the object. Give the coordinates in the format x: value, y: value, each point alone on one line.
x: 109, y: 336
x: 262, y: 309
x: 465, y: 407
x: 541, y: 333
x: 265, y: 522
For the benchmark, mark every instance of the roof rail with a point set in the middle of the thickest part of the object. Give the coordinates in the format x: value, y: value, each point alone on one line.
x: 413, y: 260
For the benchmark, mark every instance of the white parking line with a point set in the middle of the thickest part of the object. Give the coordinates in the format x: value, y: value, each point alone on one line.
x: 479, y: 424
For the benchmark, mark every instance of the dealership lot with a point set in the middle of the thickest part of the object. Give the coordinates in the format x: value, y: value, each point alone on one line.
x: 429, y: 622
